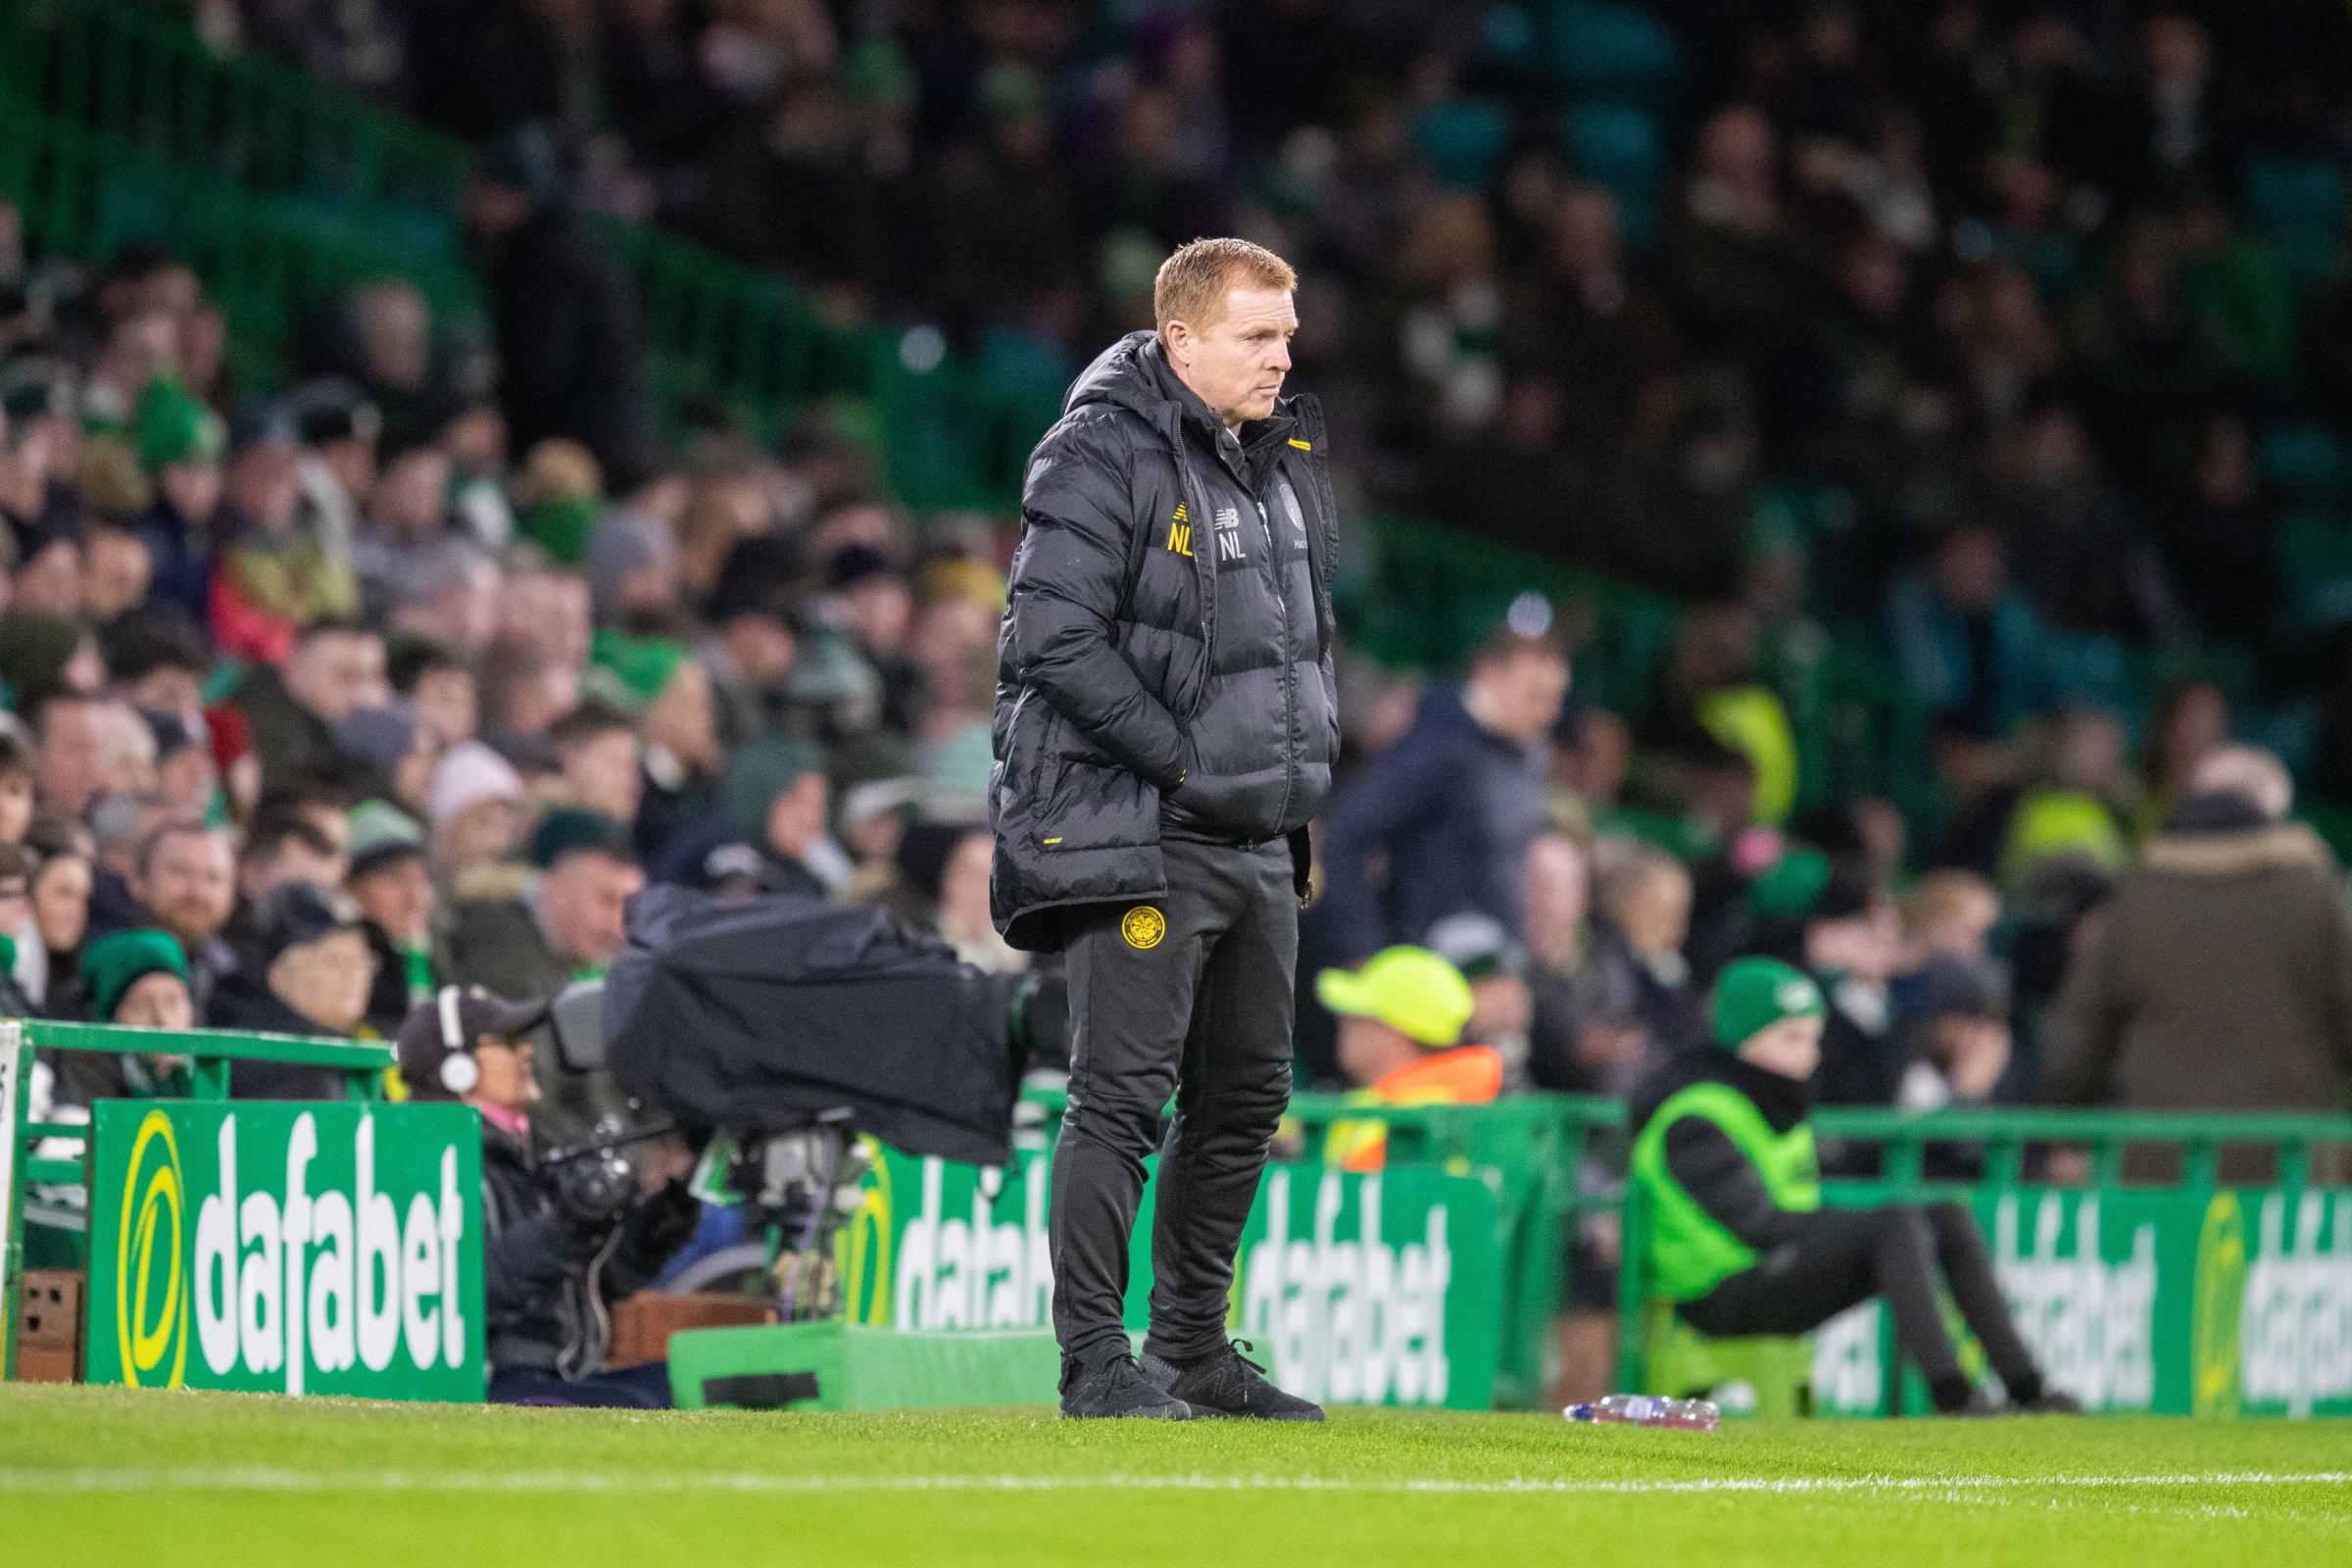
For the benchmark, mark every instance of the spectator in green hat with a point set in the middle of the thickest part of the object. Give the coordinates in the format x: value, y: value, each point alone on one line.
x: 138, y: 978
x: 659, y: 681
x: 181, y: 446
x: 392, y: 883
x: 1739, y: 1241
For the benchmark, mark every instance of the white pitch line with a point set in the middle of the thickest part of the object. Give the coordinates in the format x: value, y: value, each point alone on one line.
x: 269, y: 1479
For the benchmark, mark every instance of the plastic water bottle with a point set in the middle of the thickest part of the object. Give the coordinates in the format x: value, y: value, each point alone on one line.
x: 1649, y: 1410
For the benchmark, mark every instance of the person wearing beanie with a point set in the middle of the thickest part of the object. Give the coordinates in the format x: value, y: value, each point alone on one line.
x: 393, y: 886
x: 311, y: 972
x: 1737, y: 1238
x: 770, y: 820
x: 180, y: 446
x: 396, y: 754
x: 658, y: 680
x: 138, y: 978
x: 478, y: 808
x: 749, y: 649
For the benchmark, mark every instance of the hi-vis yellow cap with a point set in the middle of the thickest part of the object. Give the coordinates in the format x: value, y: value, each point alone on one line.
x: 1409, y: 989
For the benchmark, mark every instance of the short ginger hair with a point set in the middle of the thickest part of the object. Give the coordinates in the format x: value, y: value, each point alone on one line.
x: 1193, y: 282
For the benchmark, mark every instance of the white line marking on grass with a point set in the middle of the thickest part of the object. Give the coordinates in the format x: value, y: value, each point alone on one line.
x: 261, y: 1478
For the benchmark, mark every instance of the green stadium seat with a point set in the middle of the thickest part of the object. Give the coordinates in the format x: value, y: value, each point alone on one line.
x: 1619, y: 49
x: 1464, y: 139
x: 1615, y: 143
x: 1767, y: 1375
x: 2315, y: 564
x: 2299, y: 203
x: 2308, y: 460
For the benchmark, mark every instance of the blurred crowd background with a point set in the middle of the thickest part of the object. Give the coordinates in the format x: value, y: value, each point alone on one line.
x: 1903, y: 448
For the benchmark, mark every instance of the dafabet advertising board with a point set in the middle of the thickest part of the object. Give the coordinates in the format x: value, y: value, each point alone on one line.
x: 293, y: 1248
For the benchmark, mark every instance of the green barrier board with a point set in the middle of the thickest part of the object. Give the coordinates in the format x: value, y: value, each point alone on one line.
x: 322, y: 1249
x: 1379, y: 1288
x: 2166, y: 1300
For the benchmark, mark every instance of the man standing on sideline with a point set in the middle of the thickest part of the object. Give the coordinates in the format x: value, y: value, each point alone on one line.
x: 1166, y: 722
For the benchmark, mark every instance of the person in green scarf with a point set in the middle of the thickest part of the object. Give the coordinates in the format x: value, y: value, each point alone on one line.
x: 391, y: 883
x: 1738, y: 1240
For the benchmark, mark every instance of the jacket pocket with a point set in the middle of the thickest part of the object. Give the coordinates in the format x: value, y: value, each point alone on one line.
x: 1089, y: 807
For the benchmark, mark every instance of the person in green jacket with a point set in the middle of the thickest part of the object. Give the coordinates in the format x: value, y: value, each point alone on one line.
x: 1737, y: 1238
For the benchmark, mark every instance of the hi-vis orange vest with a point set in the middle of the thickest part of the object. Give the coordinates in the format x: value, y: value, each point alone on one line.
x: 1468, y: 1075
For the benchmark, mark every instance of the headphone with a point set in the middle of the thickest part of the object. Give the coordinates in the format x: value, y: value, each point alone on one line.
x: 460, y: 1072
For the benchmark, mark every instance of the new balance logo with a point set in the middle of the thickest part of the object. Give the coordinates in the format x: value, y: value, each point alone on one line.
x: 1229, y: 534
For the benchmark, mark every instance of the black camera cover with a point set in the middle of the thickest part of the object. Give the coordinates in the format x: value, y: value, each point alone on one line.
x: 759, y: 1014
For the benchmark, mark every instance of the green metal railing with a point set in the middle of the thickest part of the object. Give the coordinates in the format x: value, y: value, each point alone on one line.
x: 2107, y: 1136
x: 210, y: 1053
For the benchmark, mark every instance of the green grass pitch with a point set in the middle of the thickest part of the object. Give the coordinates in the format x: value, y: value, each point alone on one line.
x: 116, y: 1477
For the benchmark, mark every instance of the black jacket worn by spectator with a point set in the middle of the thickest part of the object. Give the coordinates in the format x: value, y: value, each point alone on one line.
x: 570, y: 360
x: 245, y: 1001
x: 1448, y: 812
x: 1127, y: 703
x: 549, y: 1274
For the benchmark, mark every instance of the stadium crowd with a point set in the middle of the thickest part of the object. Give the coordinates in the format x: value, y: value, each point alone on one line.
x: 324, y: 695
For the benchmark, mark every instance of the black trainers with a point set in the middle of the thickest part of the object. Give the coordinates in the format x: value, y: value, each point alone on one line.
x: 1227, y: 1383
x: 1117, y: 1391
x: 2049, y: 1401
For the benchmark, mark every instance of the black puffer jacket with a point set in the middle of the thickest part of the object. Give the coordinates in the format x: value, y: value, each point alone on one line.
x: 1165, y: 658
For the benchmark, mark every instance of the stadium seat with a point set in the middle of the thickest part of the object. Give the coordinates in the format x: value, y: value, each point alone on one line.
x: 1619, y: 145
x: 1462, y: 139
x: 2306, y: 460
x: 2299, y: 203
x: 1768, y: 1375
x: 2315, y: 564
x: 1762, y: 1375
x: 1619, y: 49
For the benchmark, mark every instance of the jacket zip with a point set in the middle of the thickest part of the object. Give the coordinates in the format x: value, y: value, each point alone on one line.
x: 1290, y: 669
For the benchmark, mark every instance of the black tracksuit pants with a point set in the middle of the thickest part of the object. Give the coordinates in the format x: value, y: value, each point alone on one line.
x: 1842, y: 1258
x: 1189, y: 993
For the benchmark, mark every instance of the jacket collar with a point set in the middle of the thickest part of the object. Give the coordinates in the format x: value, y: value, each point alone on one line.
x: 1134, y: 373
x: 2238, y: 852
x: 1784, y: 1101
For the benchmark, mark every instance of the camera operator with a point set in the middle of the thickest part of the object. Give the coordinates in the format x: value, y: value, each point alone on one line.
x: 567, y: 1234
